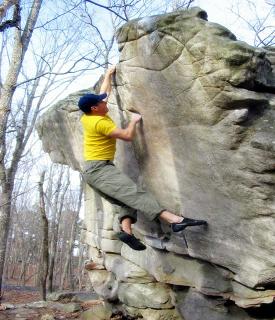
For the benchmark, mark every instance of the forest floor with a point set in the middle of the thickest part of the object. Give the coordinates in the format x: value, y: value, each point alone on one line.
x: 21, y: 296
x: 15, y: 299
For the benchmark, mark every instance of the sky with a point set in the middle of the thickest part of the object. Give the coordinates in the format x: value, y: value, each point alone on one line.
x: 225, y: 13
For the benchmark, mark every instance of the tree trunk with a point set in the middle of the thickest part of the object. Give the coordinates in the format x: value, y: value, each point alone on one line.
x: 58, y: 206
x: 21, y: 43
x: 67, y: 270
x: 81, y: 258
x: 5, y: 204
x: 52, y: 262
x: 68, y: 254
x: 43, y: 272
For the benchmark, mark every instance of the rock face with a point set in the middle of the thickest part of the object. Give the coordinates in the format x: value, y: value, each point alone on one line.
x: 206, y: 149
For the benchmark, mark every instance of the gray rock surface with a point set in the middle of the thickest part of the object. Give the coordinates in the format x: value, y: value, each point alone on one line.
x: 193, y: 305
x: 104, y: 284
x: 149, y: 295
x: 174, y: 269
x: 208, y: 130
x: 58, y: 296
x: 126, y: 271
x: 153, y: 314
x: 47, y: 317
x: 97, y: 312
x: 205, y: 148
x: 105, y: 244
x: 66, y: 307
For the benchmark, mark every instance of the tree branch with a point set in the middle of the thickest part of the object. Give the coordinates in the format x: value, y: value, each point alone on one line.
x: 58, y: 16
x: 70, y: 71
x: 107, y: 8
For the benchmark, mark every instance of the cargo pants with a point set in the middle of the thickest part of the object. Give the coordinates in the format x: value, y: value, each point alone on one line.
x: 119, y: 189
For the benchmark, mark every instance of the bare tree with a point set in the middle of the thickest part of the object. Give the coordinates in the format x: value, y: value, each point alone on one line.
x: 56, y: 208
x: 55, y: 65
x: 44, y: 259
x: 259, y: 22
x: 22, y: 244
x: 72, y: 237
x: 21, y: 43
x: 181, y: 4
x: 62, y: 205
x: 82, y: 255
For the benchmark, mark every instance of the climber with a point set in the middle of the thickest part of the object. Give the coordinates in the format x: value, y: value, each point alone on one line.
x: 100, y: 134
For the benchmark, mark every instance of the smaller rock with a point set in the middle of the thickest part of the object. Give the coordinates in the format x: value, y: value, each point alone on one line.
x: 6, y: 306
x: 126, y: 271
x: 66, y: 307
x: 84, y: 297
x: 20, y: 317
x: 149, y: 295
x: 57, y: 296
x: 47, y: 317
x: 37, y: 304
x: 153, y: 314
x: 90, y: 265
x: 72, y: 296
x: 104, y: 284
x: 98, y: 312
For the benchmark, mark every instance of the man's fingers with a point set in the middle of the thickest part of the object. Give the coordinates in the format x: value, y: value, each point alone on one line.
x: 136, y: 117
x: 112, y: 70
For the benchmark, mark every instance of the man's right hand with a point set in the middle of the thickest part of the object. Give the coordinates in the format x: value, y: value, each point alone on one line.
x: 136, y: 117
x: 111, y: 70
x: 128, y: 133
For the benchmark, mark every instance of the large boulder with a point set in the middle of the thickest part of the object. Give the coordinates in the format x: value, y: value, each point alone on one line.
x: 205, y: 149
x: 207, y: 135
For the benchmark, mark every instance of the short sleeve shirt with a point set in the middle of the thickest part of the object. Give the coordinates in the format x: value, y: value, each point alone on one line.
x: 97, y: 143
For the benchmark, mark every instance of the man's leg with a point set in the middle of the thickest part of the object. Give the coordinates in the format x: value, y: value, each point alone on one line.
x: 127, y: 237
x: 127, y: 216
x: 179, y: 223
x: 112, y: 182
x: 126, y: 225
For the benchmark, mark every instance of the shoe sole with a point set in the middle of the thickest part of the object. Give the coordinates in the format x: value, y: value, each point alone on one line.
x: 191, y: 225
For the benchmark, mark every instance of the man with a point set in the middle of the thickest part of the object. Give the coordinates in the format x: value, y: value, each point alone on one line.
x: 100, y: 134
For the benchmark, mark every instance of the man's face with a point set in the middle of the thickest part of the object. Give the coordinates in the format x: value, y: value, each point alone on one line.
x: 102, y: 107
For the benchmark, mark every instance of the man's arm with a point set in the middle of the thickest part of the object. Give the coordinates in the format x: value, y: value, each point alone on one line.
x: 128, y: 133
x: 106, y: 84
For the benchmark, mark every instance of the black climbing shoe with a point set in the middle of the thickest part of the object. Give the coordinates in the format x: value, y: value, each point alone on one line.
x: 131, y: 241
x: 187, y: 222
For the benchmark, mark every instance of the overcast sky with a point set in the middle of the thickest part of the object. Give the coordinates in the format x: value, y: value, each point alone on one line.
x: 225, y: 12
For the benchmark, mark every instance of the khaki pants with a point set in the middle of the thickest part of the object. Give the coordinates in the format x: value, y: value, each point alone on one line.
x: 120, y: 190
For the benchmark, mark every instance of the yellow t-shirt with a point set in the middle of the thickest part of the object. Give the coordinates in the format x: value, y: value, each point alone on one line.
x: 97, y: 144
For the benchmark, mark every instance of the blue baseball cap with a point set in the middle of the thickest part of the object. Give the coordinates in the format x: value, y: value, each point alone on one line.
x: 88, y: 100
